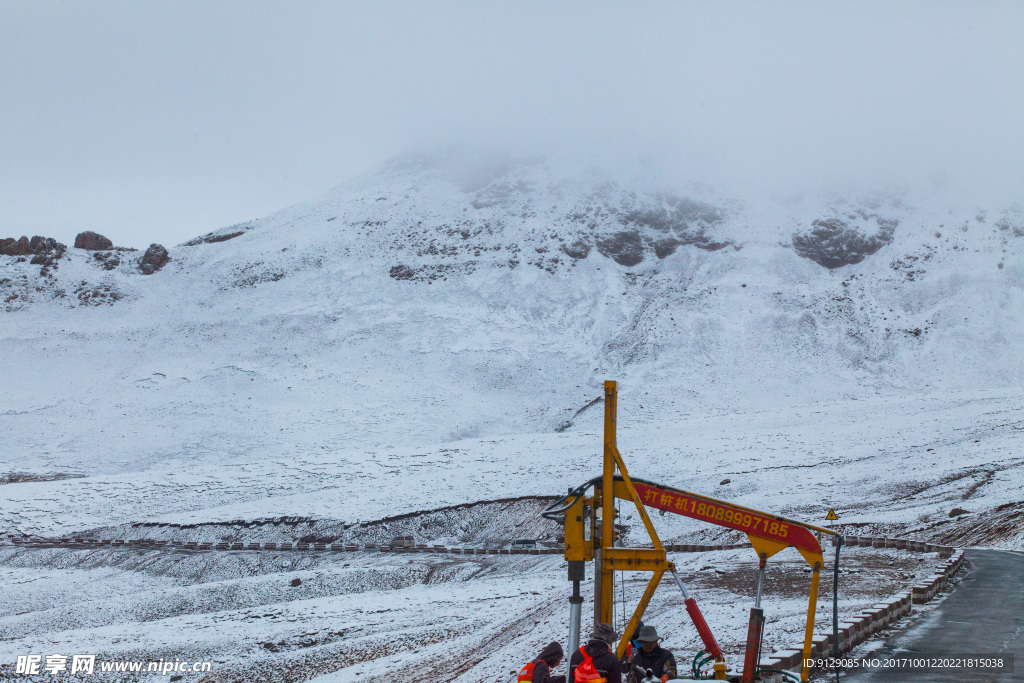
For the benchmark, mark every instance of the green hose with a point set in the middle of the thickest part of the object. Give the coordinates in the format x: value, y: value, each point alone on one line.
x: 695, y: 667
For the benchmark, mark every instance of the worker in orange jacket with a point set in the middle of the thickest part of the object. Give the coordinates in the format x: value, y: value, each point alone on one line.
x: 539, y: 670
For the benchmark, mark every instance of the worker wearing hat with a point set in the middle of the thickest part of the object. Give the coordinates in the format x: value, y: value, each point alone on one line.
x: 597, y: 657
x: 652, y: 656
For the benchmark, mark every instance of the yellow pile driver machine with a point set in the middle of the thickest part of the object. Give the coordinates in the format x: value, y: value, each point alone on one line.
x: 588, y: 513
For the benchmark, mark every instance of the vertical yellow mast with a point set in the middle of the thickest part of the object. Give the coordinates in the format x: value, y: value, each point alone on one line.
x: 608, y: 499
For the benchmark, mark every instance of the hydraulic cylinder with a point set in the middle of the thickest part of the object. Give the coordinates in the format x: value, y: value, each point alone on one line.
x: 753, y: 653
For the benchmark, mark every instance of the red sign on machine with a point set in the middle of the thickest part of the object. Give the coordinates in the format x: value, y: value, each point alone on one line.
x: 724, y: 514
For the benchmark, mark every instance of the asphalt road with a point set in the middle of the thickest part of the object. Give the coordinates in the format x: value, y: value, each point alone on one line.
x: 984, y: 616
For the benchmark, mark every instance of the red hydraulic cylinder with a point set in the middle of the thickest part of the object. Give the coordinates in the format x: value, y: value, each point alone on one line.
x: 710, y: 646
x: 702, y: 628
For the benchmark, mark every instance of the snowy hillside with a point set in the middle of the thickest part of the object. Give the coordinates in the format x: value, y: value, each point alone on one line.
x: 412, y: 307
x: 427, y: 337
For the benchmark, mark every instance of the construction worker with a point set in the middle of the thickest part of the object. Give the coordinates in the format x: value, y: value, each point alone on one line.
x: 539, y: 670
x: 652, y: 656
x: 596, y: 661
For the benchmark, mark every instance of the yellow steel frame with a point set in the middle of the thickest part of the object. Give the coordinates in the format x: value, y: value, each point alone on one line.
x: 654, y: 560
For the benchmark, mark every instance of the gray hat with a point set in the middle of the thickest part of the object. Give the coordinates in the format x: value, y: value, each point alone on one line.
x: 604, y: 632
x: 649, y: 634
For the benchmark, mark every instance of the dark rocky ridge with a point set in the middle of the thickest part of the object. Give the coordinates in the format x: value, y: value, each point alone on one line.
x: 834, y: 243
x: 618, y: 223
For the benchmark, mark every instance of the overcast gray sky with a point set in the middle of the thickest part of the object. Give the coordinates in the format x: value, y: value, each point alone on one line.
x: 158, y: 121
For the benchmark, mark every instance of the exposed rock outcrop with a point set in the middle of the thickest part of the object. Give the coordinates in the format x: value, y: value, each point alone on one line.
x: 834, y: 243
x: 45, y: 251
x: 108, y: 260
x: 579, y: 249
x: 625, y: 248
x: 155, y: 258
x: 665, y: 247
x: 10, y: 246
x: 402, y: 272
x: 222, y: 235
x: 92, y: 241
x: 213, y: 238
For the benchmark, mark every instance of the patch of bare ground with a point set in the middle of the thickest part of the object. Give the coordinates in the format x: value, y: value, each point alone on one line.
x: 1000, y: 526
x: 21, y: 477
x: 489, y: 523
x: 864, y: 574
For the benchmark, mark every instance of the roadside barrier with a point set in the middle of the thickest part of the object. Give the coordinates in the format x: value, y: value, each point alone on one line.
x: 944, y: 551
x: 150, y: 544
x: 868, y: 622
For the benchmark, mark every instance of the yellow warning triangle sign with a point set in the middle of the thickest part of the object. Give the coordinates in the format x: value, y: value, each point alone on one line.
x: 831, y: 516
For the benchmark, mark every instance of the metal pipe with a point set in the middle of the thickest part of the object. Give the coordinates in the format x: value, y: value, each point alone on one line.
x: 760, y: 641
x: 597, y: 586
x: 679, y: 582
x: 575, y: 609
x: 760, y: 582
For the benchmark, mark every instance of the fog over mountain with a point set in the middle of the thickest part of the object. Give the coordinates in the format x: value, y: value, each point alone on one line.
x: 157, y: 122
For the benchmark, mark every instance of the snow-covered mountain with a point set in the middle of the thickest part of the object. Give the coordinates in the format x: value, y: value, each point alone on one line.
x: 423, y: 304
